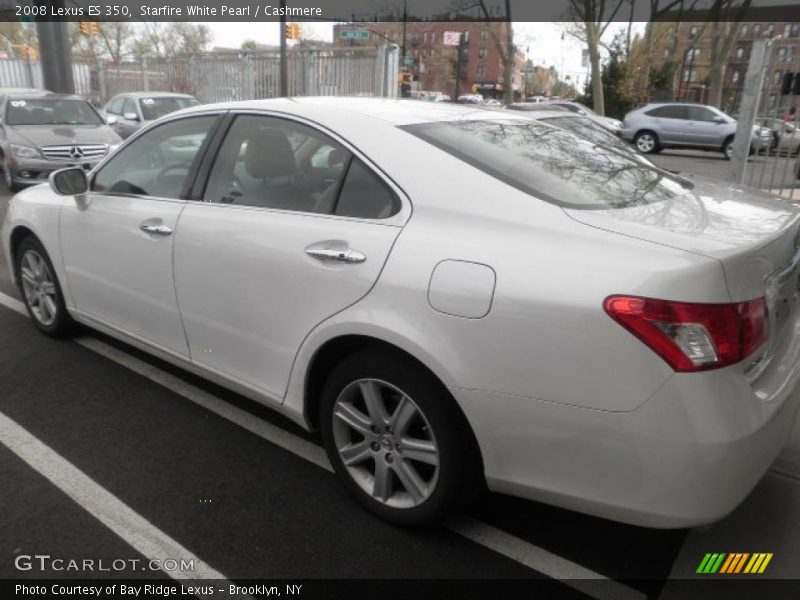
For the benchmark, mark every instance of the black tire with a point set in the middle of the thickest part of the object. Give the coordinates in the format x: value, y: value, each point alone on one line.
x: 458, y: 479
x: 62, y: 324
x: 641, y: 139
x: 9, y: 181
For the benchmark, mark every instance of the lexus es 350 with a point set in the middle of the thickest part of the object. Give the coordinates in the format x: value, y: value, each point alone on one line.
x: 454, y: 297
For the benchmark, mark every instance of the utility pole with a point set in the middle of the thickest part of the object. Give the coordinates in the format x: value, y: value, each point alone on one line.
x: 458, y: 66
x: 403, y: 49
x: 54, y: 54
x: 283, y: 77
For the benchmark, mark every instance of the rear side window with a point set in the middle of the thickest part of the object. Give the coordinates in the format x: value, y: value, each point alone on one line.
x: 670, y: 112
x: 364, y: 195
x: 549, y: 163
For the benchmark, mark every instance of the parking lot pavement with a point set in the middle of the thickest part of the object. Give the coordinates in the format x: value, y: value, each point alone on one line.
x: 208, y: 474
x: 715, y: 166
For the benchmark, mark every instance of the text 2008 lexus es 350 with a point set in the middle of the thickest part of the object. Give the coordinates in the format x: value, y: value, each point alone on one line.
x: 451, y: 295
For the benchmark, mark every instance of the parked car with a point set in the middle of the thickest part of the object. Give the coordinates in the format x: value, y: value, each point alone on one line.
x: 559, y: 321
x: 471, y: 99
x: 786, y: 137
x: 585, y: 128
x: 41, y: 132
x: 493, y: 102
x: 133, y: 110
x: 613, y: 125
x: 536, y: 106
x: 683, y: 125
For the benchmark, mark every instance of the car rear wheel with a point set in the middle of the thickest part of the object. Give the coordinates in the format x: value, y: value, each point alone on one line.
x: 41, y: 291
x: 646, y: 142
x: 396, y: 440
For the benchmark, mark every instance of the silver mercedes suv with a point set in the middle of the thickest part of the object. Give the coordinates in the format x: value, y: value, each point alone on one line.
x: 682, y: 125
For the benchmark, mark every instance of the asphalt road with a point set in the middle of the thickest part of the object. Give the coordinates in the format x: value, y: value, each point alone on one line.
x: 765, y: 172
x: 112, y: 454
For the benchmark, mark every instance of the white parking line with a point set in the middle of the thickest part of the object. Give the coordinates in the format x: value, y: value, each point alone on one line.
x: 134, y: 529
x: 519, y: 550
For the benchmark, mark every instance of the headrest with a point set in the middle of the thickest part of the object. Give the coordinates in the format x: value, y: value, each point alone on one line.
x: 269, y: 154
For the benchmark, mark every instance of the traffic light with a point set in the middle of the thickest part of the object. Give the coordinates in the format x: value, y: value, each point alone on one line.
x: 293, y: 31
x: 786, y: 83
x: 89, y: 28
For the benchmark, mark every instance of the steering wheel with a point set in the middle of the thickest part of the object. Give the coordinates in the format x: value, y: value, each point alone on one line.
x: 162, y: 180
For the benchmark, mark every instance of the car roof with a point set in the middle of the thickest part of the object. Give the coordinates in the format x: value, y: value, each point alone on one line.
x: 388, y: 110
x: 21, y: 90
x: 44, y: 94
x: 154, y: 95
x: 553, y: 114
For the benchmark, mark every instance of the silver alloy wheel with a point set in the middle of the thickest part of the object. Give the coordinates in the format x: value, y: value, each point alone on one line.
x: 9, y: 180
x: 386, y: 443
x: 646, y: 143
x: 729, y: 150
x: 39, y: 287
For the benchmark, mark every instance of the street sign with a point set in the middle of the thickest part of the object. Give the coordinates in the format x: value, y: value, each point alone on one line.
x: 354, y: 34
x: 452, y: 38
x: 408, y: 61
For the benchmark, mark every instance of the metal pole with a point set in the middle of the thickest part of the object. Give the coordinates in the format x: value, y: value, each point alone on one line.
x: 283, y: 76
x: 54, y: 54
x: 458, y: 66
x: 753, y: 81
x: 403, y: 51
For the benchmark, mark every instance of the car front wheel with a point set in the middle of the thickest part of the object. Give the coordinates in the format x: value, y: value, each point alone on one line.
x: 396, y: 440
x: 41, y: 291
x: 646, y: 142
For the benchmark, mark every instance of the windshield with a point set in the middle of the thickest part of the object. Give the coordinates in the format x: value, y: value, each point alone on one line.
x: 51, y: 111
x: 154, y: 108
x: 550, y: 163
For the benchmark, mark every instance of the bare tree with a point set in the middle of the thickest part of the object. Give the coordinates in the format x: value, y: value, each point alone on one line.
x: 656, y: 11
x: 591, y: 19
x: 502, y: 39
x: 725, y: 17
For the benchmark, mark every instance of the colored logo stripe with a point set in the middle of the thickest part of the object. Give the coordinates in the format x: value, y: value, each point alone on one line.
x: 720, y: 562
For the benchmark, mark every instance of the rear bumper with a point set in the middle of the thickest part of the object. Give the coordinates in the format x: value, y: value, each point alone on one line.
x: 687, y: 456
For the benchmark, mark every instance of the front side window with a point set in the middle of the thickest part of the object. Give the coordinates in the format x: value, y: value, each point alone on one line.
x: 156, y: 163
x: 701, y: 113
x: 550, y: 164
x: 155, y: 108
x: 115, y: 106
x: 129, y: 108
x: 51, y: 111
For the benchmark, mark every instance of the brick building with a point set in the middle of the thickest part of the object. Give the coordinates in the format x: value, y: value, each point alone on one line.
x: 693, y: 53
x: 432, y: 65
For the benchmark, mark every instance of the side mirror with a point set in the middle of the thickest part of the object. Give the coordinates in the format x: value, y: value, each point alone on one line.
x: 131, y: 116
x: 71, y: 181
x: 718, y: 120
x: 110, y: 119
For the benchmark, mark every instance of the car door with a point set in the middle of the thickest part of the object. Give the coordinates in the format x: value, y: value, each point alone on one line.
x: 672, y: 121
x: 117, y: 241
x: 704, y: 130
x: 292, y: 228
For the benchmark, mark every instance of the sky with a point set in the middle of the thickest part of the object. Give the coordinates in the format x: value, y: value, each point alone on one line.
x: 541, y: 42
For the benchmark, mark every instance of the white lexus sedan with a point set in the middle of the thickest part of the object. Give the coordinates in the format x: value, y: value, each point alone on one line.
x: 454, y: 297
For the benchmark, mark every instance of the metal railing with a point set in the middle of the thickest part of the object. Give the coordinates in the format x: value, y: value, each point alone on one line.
x: 220, y: 77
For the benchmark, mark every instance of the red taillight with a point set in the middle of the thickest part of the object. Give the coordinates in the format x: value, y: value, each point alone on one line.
x: 693, y: 337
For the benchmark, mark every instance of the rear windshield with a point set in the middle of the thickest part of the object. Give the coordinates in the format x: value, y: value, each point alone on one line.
x: 51, y: 111
x: 154, y: 108
x: 551, y: 164
x: 587, y: 129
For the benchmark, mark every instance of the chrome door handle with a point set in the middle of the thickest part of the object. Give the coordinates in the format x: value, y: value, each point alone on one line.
x: 343, y: 255
x: 156, y: 228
